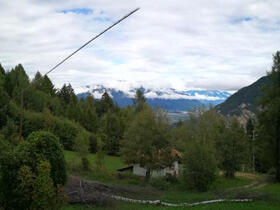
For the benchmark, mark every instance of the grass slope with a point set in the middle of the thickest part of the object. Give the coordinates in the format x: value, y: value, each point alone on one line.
x: 173, y: 192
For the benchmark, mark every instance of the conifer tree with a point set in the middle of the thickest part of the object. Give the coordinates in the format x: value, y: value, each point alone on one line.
x: 270, y: 115
x: 139, y: 101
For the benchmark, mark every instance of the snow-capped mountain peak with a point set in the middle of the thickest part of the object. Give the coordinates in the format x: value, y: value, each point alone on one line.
x: 168, y: 98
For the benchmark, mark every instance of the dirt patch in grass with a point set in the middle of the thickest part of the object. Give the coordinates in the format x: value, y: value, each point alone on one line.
x: 83, y: 191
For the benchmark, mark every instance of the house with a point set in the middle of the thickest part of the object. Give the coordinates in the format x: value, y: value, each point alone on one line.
x: 173, y: 169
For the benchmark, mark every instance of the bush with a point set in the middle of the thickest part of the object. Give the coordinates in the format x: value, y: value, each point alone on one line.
x: 37, y: 189
x: 85, y: 163
x: 32, y: 122
x: 271, y: 172
x: 31, y: 174
x: 160, y: 183
x: 43, y: 145
x: 67, y: 131
x: 5, y: 146
x: 199, y: 167
x: 9, y: 164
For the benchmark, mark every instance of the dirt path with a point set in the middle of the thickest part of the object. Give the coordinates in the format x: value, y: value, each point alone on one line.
x: 255, y: 184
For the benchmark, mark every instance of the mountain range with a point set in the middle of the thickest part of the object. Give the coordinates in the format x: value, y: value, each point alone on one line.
x: 168, y: 98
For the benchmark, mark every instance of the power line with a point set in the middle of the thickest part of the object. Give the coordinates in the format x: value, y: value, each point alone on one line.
x: 107, y: 29
x: 73, y: 53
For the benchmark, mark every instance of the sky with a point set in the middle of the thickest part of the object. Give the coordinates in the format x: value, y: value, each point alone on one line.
x: 202, y: 44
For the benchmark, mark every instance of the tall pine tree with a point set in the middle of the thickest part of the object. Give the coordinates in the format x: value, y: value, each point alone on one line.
x: 270, y: 115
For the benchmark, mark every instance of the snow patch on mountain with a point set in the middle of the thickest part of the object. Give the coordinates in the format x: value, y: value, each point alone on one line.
x: 162, y: 93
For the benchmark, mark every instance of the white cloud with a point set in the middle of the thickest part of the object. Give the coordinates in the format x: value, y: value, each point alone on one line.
x: 179, y: 44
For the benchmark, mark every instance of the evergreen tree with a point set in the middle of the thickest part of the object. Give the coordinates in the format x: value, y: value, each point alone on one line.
x: 250, y: 130
x: 113, y: 130
x: 15, y: 81
x: 139, y: 101
x: 105, y: 104
x: 2, y: 71
x: 4, y: 100
x: 89, y: 117
x: 269, y: 117
x: 66, y: 94
x: 44, y: 84
x: 2, y: 74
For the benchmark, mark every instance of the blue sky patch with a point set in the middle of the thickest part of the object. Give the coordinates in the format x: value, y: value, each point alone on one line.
x: 118, y: 61
x: 83, y: 11
x: 103, y: 19
x: 241, y: 20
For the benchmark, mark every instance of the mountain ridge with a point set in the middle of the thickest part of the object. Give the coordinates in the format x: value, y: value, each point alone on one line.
x: 169, y: 98
x: 244, y: 103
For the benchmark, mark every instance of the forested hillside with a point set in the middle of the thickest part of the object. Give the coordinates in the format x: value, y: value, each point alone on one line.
x: 245, y: 98
x: 58, y: 111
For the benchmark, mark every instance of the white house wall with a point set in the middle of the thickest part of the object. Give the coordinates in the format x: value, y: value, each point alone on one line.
x: 140, y: 171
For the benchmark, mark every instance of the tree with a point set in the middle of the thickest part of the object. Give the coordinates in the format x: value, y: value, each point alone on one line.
x: 146, y: 140
x: 82, y: 148
x: 42, y: 145
x: 44, y: 84
x: 31, y: 172
x: 4, y: 108
x: 66, y: 94
x: 15, y: 81
x: 232, y: 148
x: 199, y: 166
x: 99, y: 162
x: 250, y: 130
x: 89, y: 118
x: 2, y: 70
x: 139, y: 101
x: 113, y: 130
x: 2, y: 75
x: 207, y: 125
x: 269, y: 117
x: 105, y: 104
x: 37, y: 188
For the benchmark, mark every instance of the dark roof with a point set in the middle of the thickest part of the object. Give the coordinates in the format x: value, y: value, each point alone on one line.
x: 129, y: 167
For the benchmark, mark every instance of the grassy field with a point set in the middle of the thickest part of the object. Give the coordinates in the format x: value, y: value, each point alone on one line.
x: 173, y: 192
x: 111, y: 163
x: 108, y: 175
x: 256, y: 205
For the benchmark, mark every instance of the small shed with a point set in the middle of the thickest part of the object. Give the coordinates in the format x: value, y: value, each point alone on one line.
x: 173, y: 169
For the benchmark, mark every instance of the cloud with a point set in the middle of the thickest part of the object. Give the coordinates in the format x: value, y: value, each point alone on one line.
x: 200, y: 44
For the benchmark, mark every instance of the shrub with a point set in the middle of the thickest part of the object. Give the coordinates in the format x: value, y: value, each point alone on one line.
x: 199, y: 167
x: 85, y: 163
x: 67, y: 131
x: 5, y: 146
x: 32, y: 122
x: 43, y: 145
x: 160, y: 183
x: 25, y: 179
x: 9, y: 166
x: 38, y: 191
